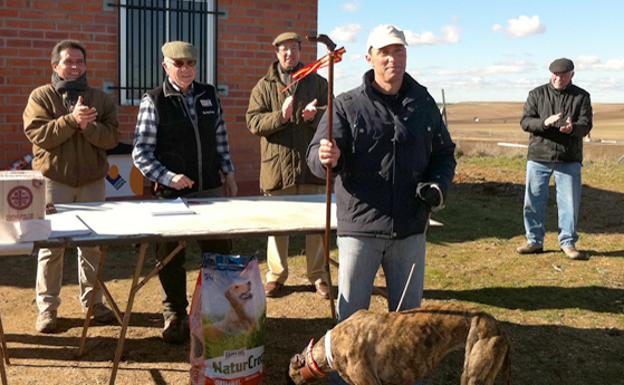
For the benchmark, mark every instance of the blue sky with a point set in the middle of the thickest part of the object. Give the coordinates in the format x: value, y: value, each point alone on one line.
x: 486, y: 50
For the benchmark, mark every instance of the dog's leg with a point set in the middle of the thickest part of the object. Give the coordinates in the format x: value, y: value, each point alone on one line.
x: 486, y: 359
x: 361, y: 372
x: 506, y: 369
x: 363, y: 379
x: 471, y: 340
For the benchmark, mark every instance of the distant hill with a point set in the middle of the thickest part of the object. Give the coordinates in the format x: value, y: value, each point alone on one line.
x: 500, y: 120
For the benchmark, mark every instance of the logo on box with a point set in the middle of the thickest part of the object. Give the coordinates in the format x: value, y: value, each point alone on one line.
x: 19, y: 198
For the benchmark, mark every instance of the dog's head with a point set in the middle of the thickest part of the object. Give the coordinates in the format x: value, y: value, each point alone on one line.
x: 294, y: 376
x: 240, y: 291
x: 303, y: 368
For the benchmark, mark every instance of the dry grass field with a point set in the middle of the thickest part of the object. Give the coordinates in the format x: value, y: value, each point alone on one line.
x: 500, y: 120
x: 477, y: 127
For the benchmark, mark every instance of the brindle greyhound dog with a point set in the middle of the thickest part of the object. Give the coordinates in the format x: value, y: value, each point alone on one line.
x: 400, y: 348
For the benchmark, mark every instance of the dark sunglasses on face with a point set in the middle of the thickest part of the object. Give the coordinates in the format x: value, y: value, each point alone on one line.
x: 180, y: 63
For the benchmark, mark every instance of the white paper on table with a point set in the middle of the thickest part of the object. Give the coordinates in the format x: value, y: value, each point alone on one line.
x: 67, y: 225
x: 166, y: 207
x: 132, y: 218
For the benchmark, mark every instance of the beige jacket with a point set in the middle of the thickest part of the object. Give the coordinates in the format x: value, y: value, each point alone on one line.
x: 283, y: 146
x: 62, y: 151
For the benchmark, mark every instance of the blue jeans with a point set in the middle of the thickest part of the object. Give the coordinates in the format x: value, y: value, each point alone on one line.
x: 568, y: 189
x: 360, y: 258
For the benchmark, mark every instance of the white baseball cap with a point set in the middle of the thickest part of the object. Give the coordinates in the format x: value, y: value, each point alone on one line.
x: 384, y: 35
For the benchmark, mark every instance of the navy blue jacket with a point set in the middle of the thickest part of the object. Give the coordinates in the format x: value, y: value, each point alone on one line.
x: 387, y: 149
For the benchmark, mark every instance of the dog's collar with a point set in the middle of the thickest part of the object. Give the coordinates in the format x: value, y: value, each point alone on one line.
x: 311, y: 370
x: 328, y: 352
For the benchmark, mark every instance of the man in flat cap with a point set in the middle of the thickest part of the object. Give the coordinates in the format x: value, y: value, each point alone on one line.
x: 181, y: 145
x: 557, y: 115
x: 394, y: 161
x: 285, y: 121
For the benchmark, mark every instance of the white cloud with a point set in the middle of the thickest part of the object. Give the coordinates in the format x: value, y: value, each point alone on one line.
x: 449, y: 35
x: 586, y: 61
x: 346, y: 33
x: 522, y: 26
x: 503, y: 68
x: 593, y: 62
x: 351, y: 6
x: 516, y: 67
x: 356, y: 57
x: 614, y: 65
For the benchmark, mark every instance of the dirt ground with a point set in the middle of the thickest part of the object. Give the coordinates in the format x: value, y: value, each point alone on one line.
x: 299, y: 315
x: 51, y: 358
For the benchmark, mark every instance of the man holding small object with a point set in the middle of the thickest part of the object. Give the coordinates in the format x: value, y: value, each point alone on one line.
x: 557, y: 115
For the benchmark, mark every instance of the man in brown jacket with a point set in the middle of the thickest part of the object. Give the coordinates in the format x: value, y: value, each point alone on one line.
x: 70, y: 125
x: 286, y: 121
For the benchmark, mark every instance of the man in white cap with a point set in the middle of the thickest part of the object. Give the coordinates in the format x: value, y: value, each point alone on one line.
x: 394, y: 161
x: 181, y: 145
x: 558, y: 115
x: 285, y: 120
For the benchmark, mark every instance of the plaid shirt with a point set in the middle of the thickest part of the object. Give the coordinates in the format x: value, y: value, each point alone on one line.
x: 145, y: 140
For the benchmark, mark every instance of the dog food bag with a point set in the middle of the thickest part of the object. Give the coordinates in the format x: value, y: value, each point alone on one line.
x: 228, y: 314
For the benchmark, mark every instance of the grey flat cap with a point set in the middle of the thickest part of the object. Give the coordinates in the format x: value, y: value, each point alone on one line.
x: 282, y: 37
x: 179, y: 50
x: 561, y: 65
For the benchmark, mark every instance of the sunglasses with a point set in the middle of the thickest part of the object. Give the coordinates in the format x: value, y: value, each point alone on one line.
x: 180, y: 63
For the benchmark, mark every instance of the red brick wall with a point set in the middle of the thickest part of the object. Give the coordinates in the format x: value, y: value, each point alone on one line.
x: 30, y: 28
x: 244, y: 55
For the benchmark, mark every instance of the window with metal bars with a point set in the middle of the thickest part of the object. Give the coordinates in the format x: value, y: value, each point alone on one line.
x: 145, y: 25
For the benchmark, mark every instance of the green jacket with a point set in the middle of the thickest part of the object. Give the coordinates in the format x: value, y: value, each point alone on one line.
x: 283, y: 146
x: 62, y: 151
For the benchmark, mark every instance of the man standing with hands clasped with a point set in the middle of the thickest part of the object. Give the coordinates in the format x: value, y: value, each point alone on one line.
x: 285, y: 119
x: 70, y: 125
x: 557, y: 115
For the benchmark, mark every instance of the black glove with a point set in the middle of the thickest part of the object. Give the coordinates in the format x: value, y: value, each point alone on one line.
x: 430, y: 194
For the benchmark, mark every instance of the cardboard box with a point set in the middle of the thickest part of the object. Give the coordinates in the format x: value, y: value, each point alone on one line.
x: 22, y: 195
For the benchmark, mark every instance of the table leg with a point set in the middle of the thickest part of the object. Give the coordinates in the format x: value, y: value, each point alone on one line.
x: 126, y: 319
x: 3, y: 347
x: 3, y: 375
x: 111, y: 302
x: 160, y: 264
x: 96, y: 287
x: 4, y: 356
x: 136, y: 285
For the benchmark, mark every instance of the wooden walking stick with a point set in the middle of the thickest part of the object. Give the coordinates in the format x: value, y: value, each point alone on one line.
x: 331, y: 47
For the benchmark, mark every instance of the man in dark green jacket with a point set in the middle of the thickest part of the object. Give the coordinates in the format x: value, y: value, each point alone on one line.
x: 557, y: 115
x: 285, y: 118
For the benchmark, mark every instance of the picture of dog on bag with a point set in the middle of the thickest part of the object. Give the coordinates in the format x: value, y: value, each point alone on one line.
x: 228, y: 317
x: 238, y: 327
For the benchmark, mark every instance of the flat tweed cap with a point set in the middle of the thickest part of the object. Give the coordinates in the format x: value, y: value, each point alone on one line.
x: 282, y: 37
x: 179, y: 50
x: 561, y: 65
